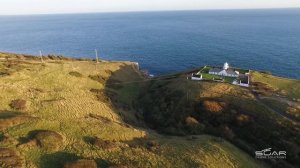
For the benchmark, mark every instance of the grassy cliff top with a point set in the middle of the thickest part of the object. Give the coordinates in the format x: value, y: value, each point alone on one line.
x: 60, y: 111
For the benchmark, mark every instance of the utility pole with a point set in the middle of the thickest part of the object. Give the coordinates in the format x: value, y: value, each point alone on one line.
x: 41, y: 55
x: 96, y: 52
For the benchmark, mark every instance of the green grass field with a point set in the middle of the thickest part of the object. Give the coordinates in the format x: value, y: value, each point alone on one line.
x: 286, y: 87
x: 212, y: 77
x: 69, y: 103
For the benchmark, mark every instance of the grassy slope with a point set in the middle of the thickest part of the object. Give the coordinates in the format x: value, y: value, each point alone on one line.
x: 62, y: 103
x: 288, y: 87
x: 242, y: 119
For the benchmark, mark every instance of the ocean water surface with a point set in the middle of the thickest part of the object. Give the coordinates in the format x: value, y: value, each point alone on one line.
x: 165, y: 42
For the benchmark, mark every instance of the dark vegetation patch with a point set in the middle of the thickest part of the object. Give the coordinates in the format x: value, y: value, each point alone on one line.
x: 9, y: 119
x: 57, y: 57
x: 193, y: 126
x: 275, y: 104
x: 9, y: 67
x: 5, y: 73
x: 18, y: 104
x: 76, y: 74
x: 1, y: 136
x: 99, y: 78
x: 241, y: 120
x: 82, y: 163
x: 97, y: 91
x: 294, y: 111
x: 57, y: 159
x: 6, y: 139
x: 100, y: 118
x: 23, y: 57
x: 38, y: 90
x: 114, y: 84
x: 54, y: 100
x: 109, y: 72
x: 118, y: 166
x: 9, y: 158
x: 45, y: 139
x: 150, y: 144
x: 262, y: 89
x: 58, y: 89
x: 290, y: 111
x: 107, y: 81
x: 105, y: 96
x: 9, y: 114
x: 103, y: 144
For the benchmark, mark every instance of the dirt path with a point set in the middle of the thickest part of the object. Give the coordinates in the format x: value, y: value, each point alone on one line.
x: 289, y: 117
x: 281, y: 99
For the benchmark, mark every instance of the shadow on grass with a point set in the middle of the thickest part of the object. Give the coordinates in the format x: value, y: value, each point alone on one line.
x: 30, y: 136
x: 9, y: 114
x: 120, y: 91
x: 57, y: 160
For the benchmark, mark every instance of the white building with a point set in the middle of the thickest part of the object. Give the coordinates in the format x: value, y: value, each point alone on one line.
x: 226, y: 71
x: 196, y: 77
x: 242, y: 81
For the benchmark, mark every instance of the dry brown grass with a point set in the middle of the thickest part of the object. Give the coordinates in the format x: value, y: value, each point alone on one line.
x: 81, y: 164
x: 13, y: 121
x: 242, y: 119
x: 105, y: 144
x: 10, y: 158
x: 191, y: 121
x: 18, y: 104
x: 283, y: 86
x: 45, y: 139
x: 213, y: 106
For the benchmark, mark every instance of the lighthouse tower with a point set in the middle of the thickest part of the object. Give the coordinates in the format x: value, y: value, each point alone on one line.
x: 226, y: 66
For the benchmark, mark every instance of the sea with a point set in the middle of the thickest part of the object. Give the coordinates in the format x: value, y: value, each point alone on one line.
x: 166, y: 41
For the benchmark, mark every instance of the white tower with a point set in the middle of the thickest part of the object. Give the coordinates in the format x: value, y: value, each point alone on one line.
x: 226, y: 66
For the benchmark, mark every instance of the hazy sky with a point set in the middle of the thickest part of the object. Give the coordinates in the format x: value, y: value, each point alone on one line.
x: 11, y: 7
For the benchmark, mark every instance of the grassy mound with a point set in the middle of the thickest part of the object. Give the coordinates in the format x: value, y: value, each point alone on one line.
x: 10, y: 119
x: 18, y: 104
x: 10, y: 158
x: 45, y: 139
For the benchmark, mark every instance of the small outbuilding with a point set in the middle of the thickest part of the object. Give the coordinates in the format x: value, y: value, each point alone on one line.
x: 196, y: 77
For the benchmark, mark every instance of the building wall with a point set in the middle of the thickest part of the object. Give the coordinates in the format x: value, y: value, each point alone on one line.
x: 222, y: 73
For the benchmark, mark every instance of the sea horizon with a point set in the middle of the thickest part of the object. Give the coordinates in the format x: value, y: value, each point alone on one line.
x: 154, y: 11
x: 165, y: 41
